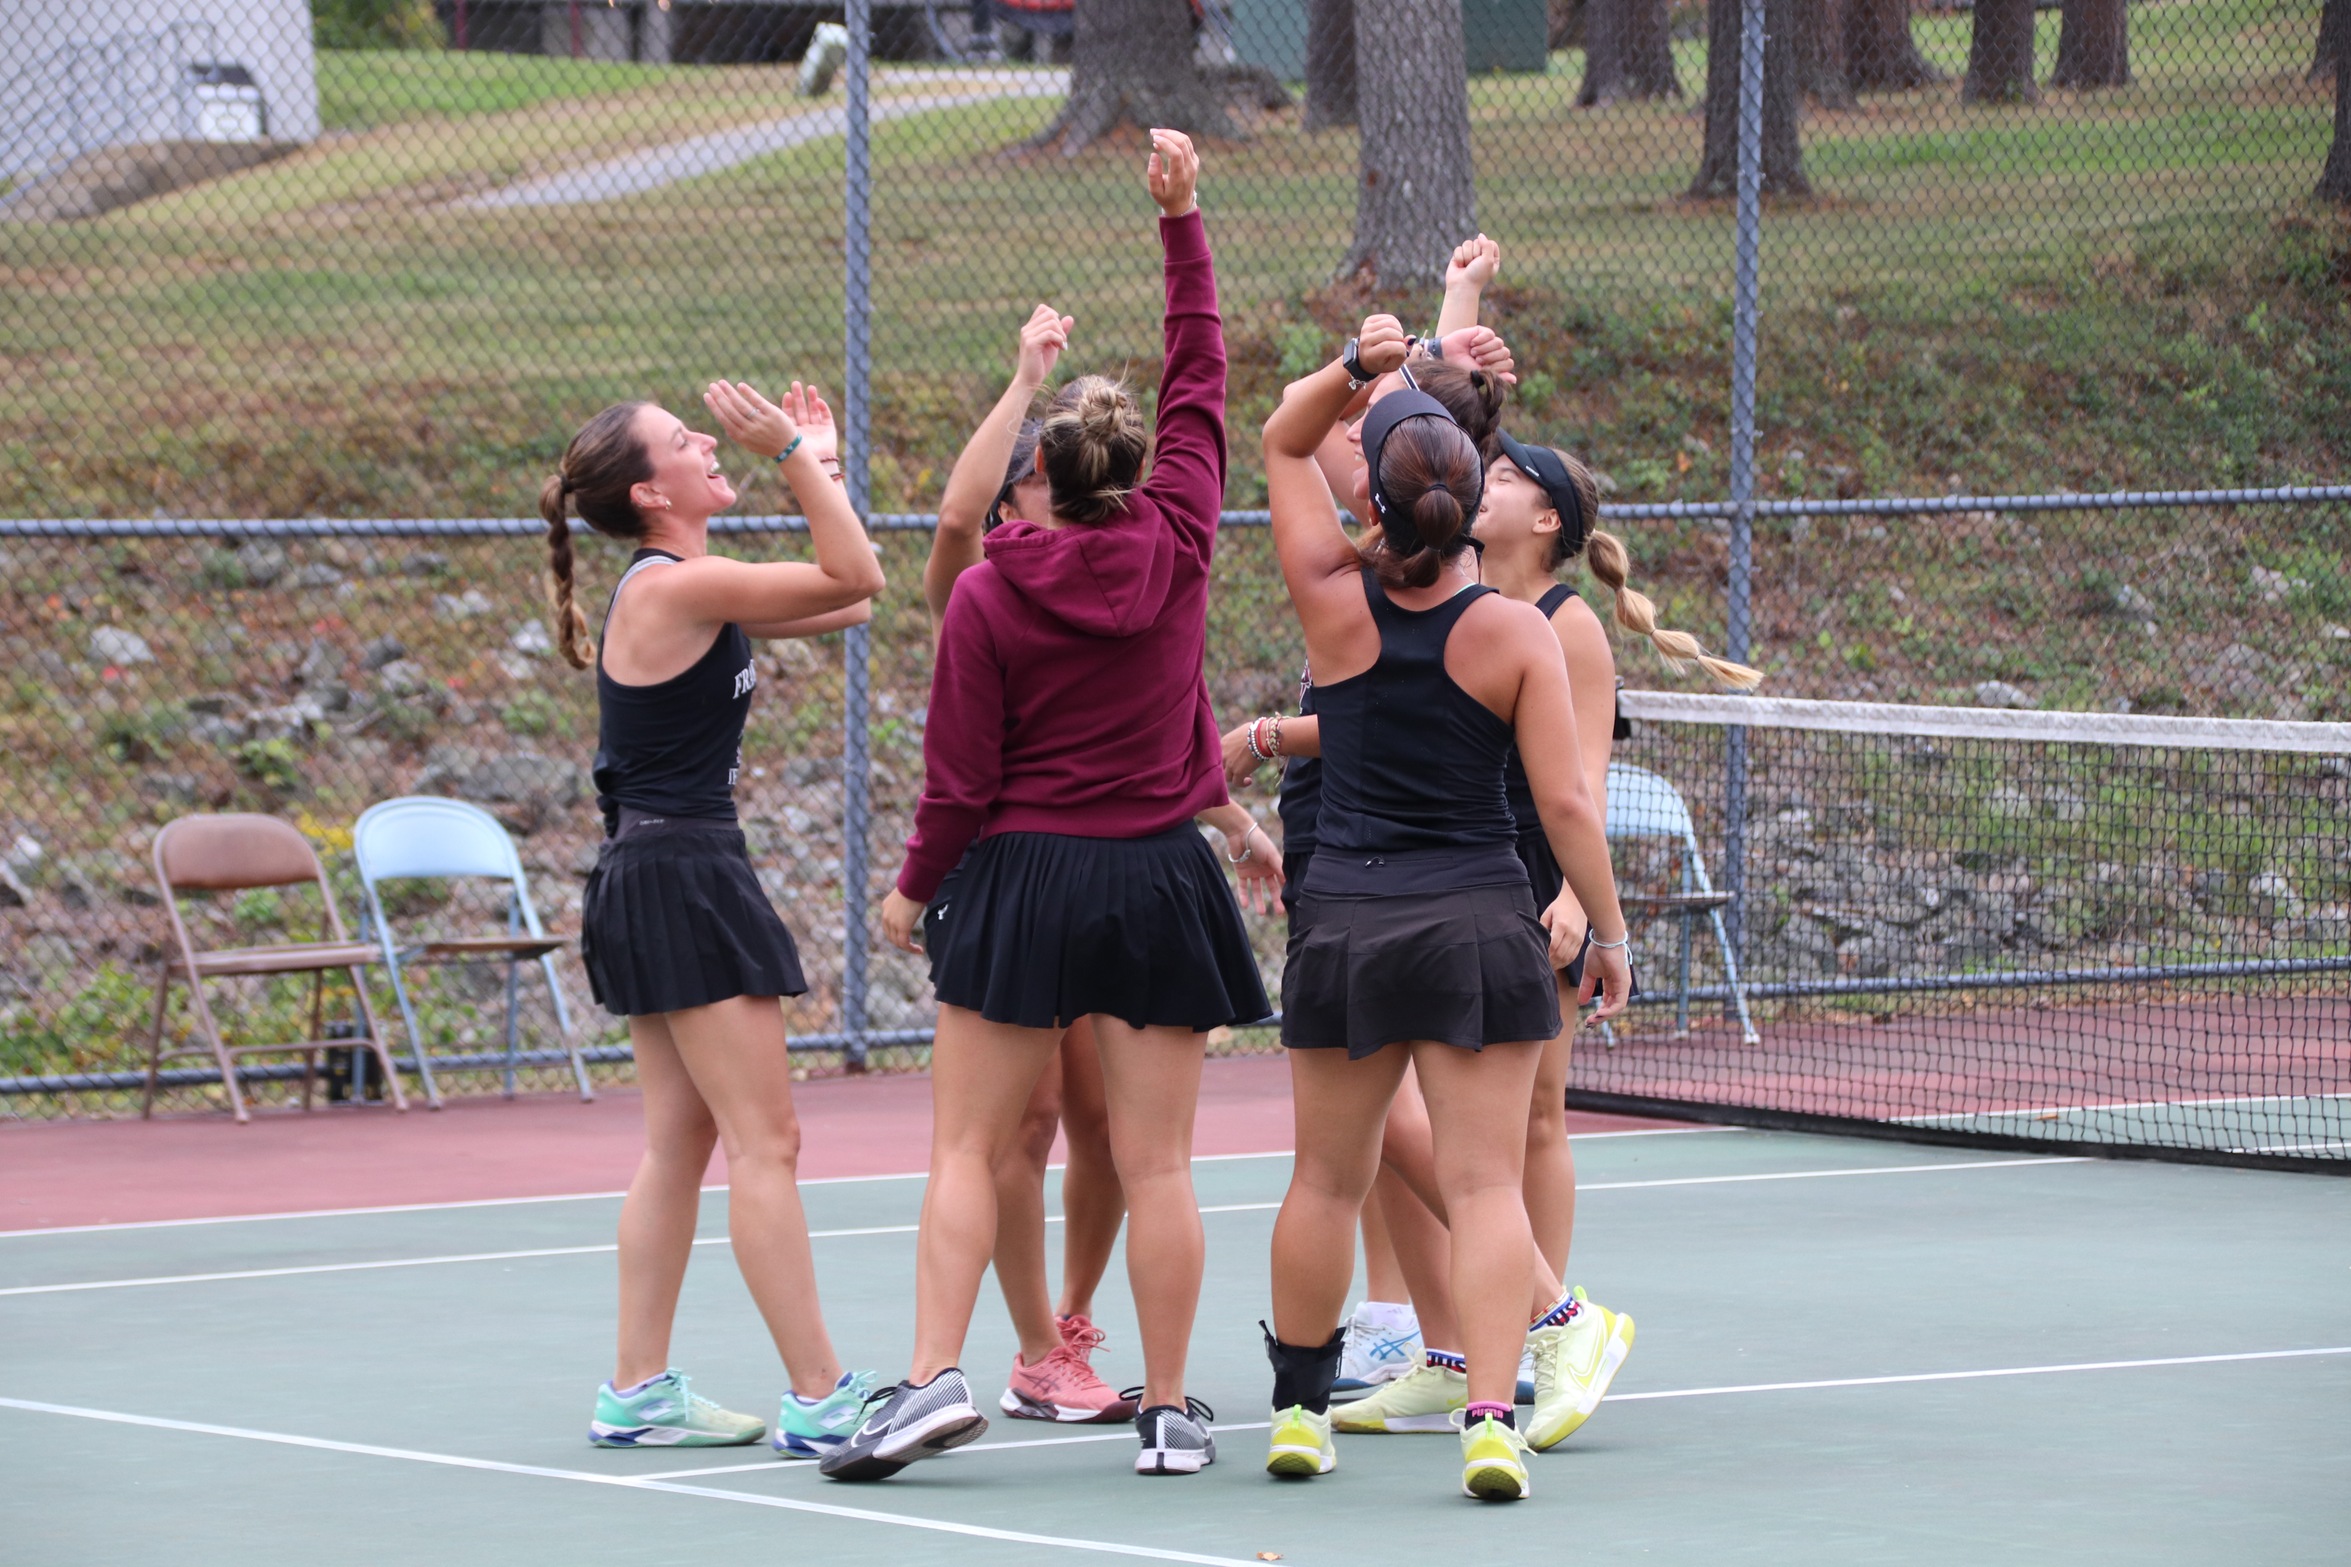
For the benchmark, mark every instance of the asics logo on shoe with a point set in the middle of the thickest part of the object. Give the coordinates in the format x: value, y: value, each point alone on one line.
x: 1397, y: 1347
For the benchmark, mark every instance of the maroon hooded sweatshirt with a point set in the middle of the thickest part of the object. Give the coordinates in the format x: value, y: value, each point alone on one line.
x: 1068, y: 695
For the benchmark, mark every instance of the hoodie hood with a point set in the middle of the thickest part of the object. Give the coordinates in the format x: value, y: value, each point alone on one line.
x: 1106, y: 579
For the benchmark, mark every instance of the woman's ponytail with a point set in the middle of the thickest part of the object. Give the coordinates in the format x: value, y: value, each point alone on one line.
x: 571, y: 626
x: 1609, y: 561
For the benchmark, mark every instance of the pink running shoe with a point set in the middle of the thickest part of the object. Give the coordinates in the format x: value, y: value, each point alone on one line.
x: 1062, y: 1386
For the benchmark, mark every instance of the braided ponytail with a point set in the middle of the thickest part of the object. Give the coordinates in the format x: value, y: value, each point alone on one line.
x: 571, y: 625
x: 1605, y: 552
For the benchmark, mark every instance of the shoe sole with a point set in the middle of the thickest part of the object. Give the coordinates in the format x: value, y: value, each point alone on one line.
x: 1403, y: 1425
x: 1173, y: 1460
x: 944, y: 1431
x: 800, y: 1447
x: 1495, y: 1482
x: 602, y: 1435
x: 1021, y: 1408
x: 1300, y: 1463
x: 1612, y: 1359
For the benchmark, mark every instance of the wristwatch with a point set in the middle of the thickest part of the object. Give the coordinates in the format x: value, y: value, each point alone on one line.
x: 1357, y: 377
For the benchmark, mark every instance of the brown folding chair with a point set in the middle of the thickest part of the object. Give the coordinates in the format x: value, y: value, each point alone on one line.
x: 234, y: 853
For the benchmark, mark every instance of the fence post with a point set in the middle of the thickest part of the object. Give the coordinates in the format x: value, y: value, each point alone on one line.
x: 857, y: 404
x: 1744, y: 306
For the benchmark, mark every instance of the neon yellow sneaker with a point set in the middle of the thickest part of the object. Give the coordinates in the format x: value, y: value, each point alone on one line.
x: 1301, y: 1444
x: 1494, y: 1462
x: 1427, y: 1398
x: 1574, y: 1363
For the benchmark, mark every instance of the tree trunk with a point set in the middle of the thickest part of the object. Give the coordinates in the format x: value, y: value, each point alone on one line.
x: 2334, y: 183
x: 1880, y: 55
x: 2000, y: 54
x: 1628, y: 52
x: 1330, y: 63
x: 1415, y: 190
x: 2093, y: 45
x: 1132, y: 63
x: 1565, y: 23
x: 1783, y: 153
x: 2334, y: 34
x: 1825, y: 79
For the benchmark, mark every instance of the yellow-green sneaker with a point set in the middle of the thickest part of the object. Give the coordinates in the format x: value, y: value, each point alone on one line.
x: 1426, y: 1398
x: 1574, y: 1363
x: 1301, y: 1444
x: 1493, y: 1462
x: 665, y: 1412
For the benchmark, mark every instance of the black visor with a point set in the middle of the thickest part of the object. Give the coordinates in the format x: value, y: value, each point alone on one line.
x: 1019, y: 466
x: 1542, y: 465
x: 1389, y: 412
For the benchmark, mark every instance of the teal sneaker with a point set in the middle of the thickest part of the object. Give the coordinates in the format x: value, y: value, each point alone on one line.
x: 665, y: 1412
x: 811, y: 1430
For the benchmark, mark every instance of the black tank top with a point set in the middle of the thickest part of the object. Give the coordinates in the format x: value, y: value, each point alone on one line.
x: 1412, y: 796
x: 673, y: 748
x: 1300, y: 800
x: 1514, y: 771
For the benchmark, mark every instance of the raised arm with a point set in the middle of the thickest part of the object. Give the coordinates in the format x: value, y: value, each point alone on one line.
x: 845, y: 572
x: 1475, y: 263
x: 1318, y: 559
x: 1188, y: 458
x: 978, y: 478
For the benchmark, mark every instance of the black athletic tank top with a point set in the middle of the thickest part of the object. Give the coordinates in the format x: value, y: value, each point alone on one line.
x: 1514, y: 771
x: 1412, y: 796
x: 1300, y: 799
x: 673, y: 748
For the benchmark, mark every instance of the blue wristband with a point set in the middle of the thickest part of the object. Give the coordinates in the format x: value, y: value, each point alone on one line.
x: 789, y: 450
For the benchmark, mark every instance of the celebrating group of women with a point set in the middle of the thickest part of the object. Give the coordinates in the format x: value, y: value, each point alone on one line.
x: 1444, y: 870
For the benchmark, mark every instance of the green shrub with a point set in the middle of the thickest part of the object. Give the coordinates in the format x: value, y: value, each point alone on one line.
x: 376, y: 24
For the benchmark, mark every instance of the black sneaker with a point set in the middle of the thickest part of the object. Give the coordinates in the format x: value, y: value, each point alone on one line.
x: 1175, y: 1441
x: 904, y: 1424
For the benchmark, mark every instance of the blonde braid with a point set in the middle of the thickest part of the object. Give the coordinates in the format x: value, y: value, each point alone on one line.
x: 1609, y: 562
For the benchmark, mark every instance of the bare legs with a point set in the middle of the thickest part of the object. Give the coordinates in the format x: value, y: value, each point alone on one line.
x: 1550, y: 1178
x: 1093, y: 1203
x: 1020, y: 1218
x: 1151, y: 1087
x: 716, y: 1074
x: 1477, y: 1108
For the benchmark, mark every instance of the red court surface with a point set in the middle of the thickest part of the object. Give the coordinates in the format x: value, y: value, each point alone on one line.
x: 114, y: 1172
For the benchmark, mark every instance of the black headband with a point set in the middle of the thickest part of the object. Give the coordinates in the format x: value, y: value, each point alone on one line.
x: 1544, y: 466
x: 1390, y: 411
x: 1020, y: 465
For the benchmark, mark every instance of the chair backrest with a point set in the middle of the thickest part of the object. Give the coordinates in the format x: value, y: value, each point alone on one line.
x: 425, y: 835
x: 1642, y: 804
x: 233, y: 851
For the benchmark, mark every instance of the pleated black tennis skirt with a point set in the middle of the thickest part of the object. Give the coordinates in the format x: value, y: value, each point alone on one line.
x: 1534, y: 852
x: 1470, y: 968
x: 1039, y: 929
x: 673, y: 917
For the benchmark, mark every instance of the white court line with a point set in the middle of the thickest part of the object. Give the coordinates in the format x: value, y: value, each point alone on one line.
x: 514, y: 1202
x: 976, y: 1448
x: 909, y: 1229
x: 1970, y: 1376
x: 621, y: 1482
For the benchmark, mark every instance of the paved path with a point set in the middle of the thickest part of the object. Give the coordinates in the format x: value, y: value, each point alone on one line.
x: 544, y: 1145
x: 651, y: 168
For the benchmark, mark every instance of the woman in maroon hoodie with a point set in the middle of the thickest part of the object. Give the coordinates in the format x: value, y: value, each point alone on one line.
x: 1069, y: 745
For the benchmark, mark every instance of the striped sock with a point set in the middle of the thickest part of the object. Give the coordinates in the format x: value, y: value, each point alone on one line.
x: 1446, y: 1360
x: 1501, y: 1412
x: 1559, y: 1315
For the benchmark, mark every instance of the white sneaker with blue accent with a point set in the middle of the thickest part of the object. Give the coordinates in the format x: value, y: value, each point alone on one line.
x: 1383, y: 1344
x: 806, y: 1429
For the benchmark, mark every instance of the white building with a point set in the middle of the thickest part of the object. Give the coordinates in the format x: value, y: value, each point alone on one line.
x: 79, y: 75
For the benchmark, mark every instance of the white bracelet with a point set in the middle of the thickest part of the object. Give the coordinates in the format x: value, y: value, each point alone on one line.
x: 1248, y: 849
x: 1624, y: 940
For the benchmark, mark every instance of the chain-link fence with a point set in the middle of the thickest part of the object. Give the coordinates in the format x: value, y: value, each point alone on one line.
x: 378, y: 261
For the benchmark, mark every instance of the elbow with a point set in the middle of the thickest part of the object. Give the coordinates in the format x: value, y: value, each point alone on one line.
x: 868, y: 583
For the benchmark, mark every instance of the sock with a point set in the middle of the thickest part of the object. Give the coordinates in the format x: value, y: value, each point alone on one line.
x: 1303, y: 1374
x: 1394, y: 1316
x: 632, y: 1392
x: 1565, y: 1311
x: 1478, y: 1412
x: 1446, y: 1360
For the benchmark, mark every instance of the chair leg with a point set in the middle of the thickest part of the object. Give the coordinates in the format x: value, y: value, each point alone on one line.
x: 571, y: 1038
x: 375, y: 1042
x: 228, y: 1066
x: 155, y: 1039
x: 424, y: 1067
x: 318, y: 996
x: 1730, y: 975
x: 513, y: 1020
x: 1681, y: 1004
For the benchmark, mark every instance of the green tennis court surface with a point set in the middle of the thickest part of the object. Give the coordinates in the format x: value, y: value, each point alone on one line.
x: 1849, y: 1352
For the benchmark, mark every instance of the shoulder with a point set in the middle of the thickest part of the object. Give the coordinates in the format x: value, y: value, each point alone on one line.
x: 1501, y: 628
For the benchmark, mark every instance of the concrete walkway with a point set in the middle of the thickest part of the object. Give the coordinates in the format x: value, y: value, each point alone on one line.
x: 651, y: 168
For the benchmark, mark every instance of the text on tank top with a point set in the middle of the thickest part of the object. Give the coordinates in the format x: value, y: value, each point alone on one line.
x: 674, y: 747
x: 1412, y: 796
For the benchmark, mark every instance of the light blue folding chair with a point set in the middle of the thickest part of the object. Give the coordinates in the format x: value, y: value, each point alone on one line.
x: 1643, y: 805
x: 425, y: 837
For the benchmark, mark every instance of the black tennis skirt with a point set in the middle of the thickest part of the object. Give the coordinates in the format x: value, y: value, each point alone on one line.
x: 1038, y: 929
x: 673, y: 917
x: 1469, y: 968
x: 1534, y: 852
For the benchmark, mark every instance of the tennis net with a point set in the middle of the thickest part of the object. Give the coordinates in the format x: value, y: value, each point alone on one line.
x: 2113, y: 933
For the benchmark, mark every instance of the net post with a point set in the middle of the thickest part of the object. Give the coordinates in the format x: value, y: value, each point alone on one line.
x: 856, y: 470
x: 1744, y: 309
